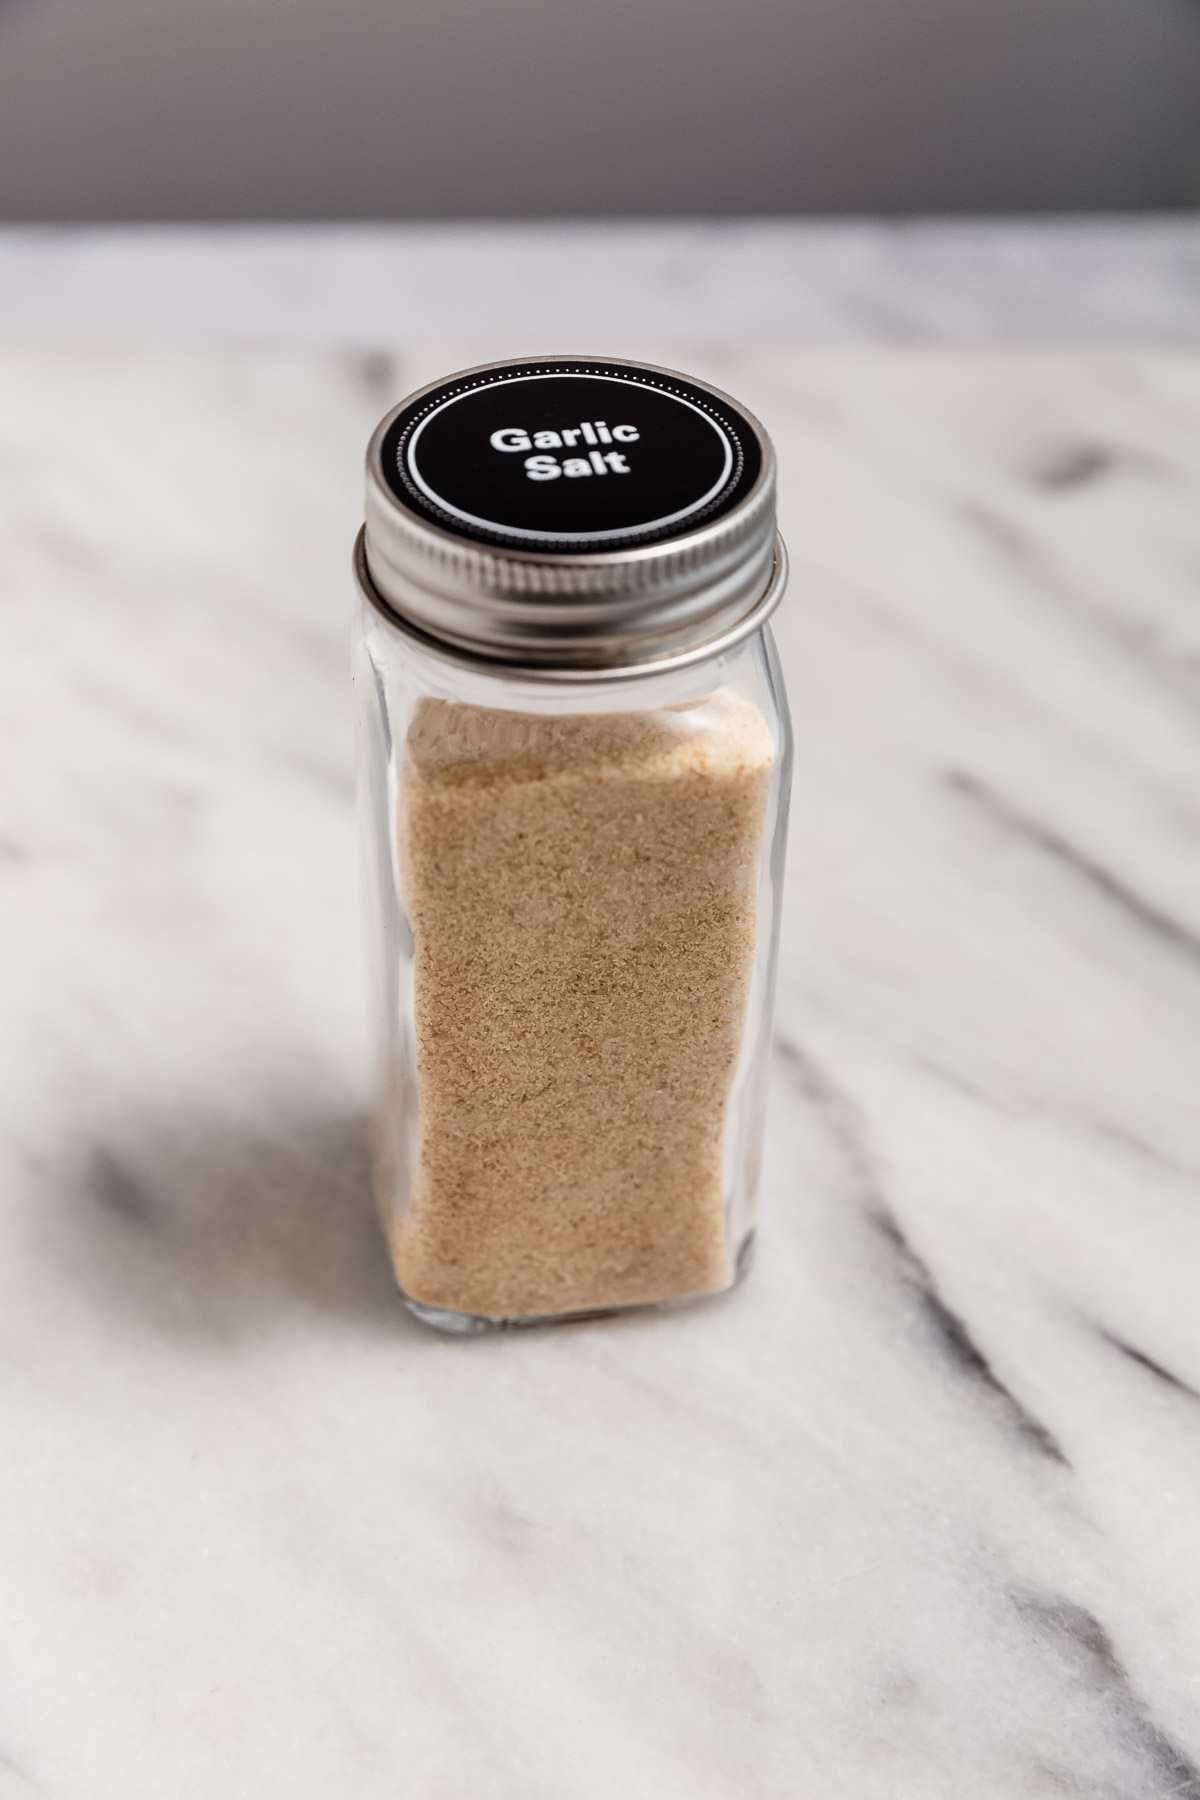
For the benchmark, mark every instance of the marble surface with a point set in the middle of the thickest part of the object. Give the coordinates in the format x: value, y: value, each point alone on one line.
x: 586, y: 285
x: 915, y: 1513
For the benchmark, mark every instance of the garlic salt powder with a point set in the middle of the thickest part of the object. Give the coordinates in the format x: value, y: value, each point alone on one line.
x: 574, y: 758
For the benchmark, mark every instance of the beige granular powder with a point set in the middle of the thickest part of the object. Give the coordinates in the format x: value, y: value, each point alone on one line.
x: 582, y: 898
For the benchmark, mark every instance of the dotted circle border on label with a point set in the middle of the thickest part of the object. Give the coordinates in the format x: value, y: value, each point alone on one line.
x: 605, y: 371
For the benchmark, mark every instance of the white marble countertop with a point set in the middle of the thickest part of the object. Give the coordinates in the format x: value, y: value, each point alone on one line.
x: 916, y: 1512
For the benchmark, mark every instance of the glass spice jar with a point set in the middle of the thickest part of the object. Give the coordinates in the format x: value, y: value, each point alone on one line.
x: 574, y: 761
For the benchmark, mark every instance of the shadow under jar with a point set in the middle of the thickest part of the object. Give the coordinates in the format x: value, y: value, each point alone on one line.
x: 574, y: 761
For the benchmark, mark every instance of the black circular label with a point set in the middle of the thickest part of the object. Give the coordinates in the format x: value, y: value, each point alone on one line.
x: 570, y: 457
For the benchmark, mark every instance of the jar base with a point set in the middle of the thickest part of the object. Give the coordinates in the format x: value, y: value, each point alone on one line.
x: 462, y: 1324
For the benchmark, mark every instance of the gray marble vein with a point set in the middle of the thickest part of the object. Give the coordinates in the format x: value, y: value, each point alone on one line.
x: 916, y: 1513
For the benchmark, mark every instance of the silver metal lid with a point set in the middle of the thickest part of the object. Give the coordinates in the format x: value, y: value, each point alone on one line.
x: 643, y: 528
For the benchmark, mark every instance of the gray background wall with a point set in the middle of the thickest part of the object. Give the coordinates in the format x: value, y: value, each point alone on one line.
x: 199, y: 109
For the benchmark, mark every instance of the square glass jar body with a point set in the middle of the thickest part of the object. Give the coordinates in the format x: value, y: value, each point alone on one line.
x: 572, y: 891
